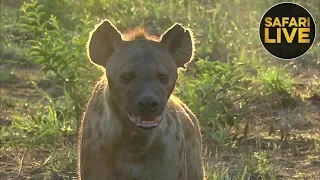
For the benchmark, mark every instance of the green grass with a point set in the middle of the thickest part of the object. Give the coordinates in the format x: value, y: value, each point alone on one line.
x: 230, y: 75
x: 7, y: 76
x: 253, y: 166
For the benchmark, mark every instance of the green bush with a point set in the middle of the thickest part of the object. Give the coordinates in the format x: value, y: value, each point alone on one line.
x: 59, y: 51
x: 213, y: 89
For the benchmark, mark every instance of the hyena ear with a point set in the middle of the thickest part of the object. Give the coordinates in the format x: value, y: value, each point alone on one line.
x: 179, y: 42
x: 103, y: 41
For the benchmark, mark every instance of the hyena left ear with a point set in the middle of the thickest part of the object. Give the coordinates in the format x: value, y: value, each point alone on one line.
x: 179, y: 42
x: 103, y: 41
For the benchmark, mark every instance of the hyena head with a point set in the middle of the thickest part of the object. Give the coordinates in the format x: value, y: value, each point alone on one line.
x: 141, y: 69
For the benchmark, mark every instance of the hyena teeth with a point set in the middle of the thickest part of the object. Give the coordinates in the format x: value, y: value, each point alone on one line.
x: 148, y: 122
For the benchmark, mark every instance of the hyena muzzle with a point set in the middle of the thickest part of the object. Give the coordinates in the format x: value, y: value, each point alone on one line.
x: 134, y: 128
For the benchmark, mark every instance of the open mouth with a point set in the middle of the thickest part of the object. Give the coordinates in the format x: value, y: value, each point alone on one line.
x: 144, y: 122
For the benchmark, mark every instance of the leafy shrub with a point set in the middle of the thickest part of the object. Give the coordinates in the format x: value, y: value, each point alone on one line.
x: 61, y: 53
x: 212, y: 90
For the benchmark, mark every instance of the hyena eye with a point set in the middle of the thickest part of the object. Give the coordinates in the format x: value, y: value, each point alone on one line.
x: 127, y: 78
x: 163, y: 78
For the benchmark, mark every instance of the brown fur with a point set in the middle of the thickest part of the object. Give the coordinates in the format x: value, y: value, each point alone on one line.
x: 139, y: 32
x: 110, y: 148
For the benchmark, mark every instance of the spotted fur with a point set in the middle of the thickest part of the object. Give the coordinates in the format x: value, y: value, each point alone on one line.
x: 111, y: 148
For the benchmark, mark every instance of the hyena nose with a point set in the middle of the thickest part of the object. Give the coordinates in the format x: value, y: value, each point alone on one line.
x: 148, y: 105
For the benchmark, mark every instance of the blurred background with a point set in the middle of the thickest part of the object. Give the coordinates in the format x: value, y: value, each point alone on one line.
x: 260, y: 116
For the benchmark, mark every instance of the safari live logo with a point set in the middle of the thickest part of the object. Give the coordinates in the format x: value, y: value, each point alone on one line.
x: 287, y: 30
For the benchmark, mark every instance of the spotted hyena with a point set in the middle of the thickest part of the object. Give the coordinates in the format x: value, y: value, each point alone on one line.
x: 134, y: 128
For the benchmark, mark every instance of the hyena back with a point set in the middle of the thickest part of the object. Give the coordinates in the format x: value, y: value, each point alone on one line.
x: 134, y: 128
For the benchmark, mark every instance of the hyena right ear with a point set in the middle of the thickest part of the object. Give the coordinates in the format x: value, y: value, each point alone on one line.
x: 103, y: 41
x: 179, y: 42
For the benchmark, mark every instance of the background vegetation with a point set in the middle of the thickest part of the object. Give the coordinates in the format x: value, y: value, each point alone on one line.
x: 260, y: 116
